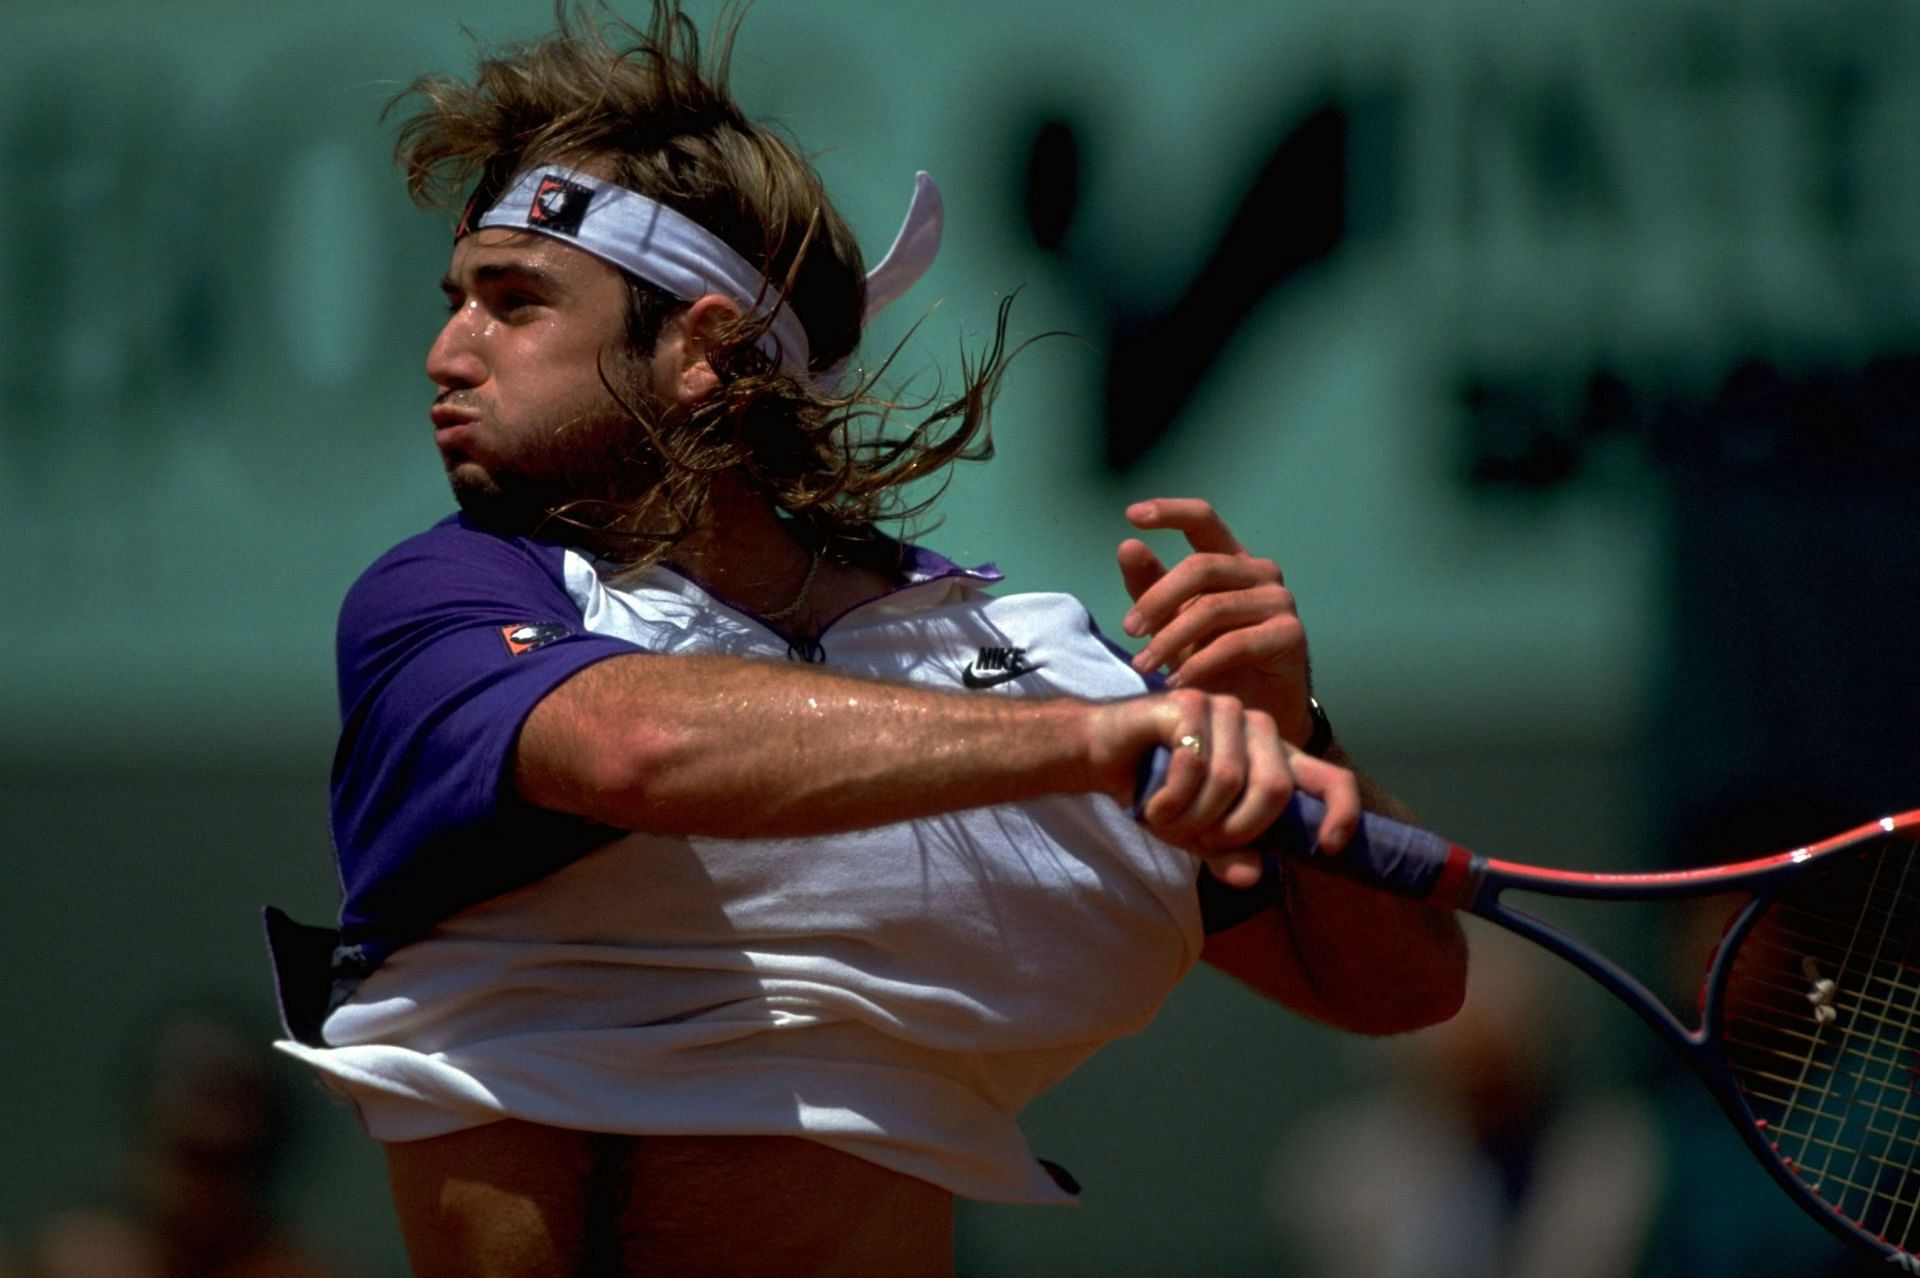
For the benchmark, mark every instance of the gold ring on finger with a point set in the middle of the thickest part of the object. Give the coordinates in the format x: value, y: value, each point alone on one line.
x: 1195, y: 744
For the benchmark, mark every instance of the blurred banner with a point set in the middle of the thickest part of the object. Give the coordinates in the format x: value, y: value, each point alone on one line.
x: 1423, y: 296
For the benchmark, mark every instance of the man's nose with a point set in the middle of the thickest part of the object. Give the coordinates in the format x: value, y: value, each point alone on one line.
x: 453, y: 361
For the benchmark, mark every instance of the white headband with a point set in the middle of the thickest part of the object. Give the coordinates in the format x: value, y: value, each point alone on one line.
x: 665, y: 248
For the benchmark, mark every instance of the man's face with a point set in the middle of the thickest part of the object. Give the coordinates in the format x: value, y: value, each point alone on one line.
x: 523, y: 420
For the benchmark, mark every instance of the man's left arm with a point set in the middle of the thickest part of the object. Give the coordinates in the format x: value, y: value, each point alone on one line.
x: 1223, y: 621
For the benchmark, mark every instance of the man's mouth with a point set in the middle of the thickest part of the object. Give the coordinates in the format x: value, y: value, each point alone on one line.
x: 445, y: 416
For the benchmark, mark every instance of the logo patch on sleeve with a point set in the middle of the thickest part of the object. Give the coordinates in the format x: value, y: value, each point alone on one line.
x: 559, y: 206
x: 528, y: 635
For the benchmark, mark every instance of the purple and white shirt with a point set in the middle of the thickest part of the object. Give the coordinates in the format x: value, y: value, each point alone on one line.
x: 899, y: 993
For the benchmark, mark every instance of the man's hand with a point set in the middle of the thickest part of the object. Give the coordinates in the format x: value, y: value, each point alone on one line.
x: 1220, y: 620
x: 1223, y: 623
x: 1229, y: 777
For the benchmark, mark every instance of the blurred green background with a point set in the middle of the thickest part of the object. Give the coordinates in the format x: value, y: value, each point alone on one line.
x: 1563, y: 353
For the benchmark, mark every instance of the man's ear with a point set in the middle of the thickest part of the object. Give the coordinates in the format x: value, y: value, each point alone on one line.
x: 698, y: 330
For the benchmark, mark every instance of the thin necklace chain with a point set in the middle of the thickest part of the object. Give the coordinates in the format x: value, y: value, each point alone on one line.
x: 814, y: 557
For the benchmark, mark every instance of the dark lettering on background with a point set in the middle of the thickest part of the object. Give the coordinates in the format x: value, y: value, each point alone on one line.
x: 1748, y: 170
x: 1052, y: 186
x: 1693, y: 242
x: 1826, y: 418
x: 1292, y: 216
x: 1754, y: 162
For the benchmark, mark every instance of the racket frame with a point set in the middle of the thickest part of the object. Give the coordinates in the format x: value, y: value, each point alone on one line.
x: 1479, y: 885
x: 1418, y: 865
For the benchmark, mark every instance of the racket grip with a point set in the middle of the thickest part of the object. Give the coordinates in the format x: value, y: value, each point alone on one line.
x: 1390, y: 855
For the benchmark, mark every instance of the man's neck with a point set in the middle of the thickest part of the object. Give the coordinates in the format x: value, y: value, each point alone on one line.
x: 762, y: 564
x: 746, y: 554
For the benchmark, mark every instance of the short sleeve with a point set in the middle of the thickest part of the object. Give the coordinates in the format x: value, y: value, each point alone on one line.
x: 445, y: 646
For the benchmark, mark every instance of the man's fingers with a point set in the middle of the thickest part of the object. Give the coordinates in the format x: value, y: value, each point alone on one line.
x: 1270, y: 784
x: 1191, y: 516
x: 1140, y: 570
x: 1226, y: 770
x: 1173, y: 592
x: 1207, y: 773
x: 1189, y: 742
x: 1223, y: 632
x: 1230, y: 778
x: 1338, y: 789
x: 1236, y: 869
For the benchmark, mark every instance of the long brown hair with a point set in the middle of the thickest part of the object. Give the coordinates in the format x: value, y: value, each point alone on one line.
x: 642, y: 106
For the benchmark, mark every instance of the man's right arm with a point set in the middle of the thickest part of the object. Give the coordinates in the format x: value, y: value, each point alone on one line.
x: 727, y: 747
x: 474, y: 699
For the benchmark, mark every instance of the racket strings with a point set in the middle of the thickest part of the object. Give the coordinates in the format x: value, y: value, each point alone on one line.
x: 1821, y: 924
x: 1837, y: 1091
x: 1885, y: 997
x: 1893, y: 948
x: 1888, y: 993
x: 1772, y: 999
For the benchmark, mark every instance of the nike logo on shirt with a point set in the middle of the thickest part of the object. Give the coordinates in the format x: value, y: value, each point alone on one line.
x: 995, y: 666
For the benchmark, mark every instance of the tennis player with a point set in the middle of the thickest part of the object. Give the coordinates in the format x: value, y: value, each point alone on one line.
x: 722, y: 876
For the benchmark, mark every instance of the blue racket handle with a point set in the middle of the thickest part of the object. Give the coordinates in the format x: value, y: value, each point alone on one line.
x: 1382, y: 853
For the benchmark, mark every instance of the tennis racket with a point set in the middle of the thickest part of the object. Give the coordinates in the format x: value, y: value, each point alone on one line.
x: 1808, y: 1012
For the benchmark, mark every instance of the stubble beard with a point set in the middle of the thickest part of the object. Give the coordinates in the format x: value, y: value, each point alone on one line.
x: 590, y: 474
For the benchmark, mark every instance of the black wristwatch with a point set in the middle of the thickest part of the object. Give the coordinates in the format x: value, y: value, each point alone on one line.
x: 1322, y: 735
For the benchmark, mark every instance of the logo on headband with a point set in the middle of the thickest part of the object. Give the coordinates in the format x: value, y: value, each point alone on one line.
x: 559, y: 206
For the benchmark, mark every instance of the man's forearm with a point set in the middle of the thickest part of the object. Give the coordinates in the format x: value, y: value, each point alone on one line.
x: 736, y: 748
x: 1350, y: 955
x: 1376, y: 963
x: 1417, y: 979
